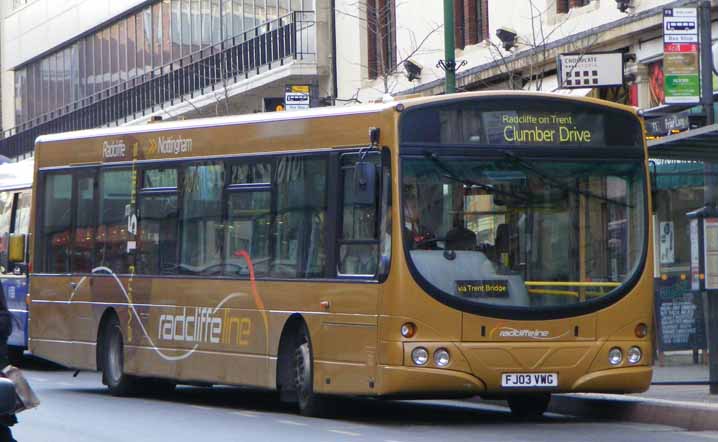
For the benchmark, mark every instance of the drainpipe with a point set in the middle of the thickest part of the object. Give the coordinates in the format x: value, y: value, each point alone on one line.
x: 449, y: 47
x: 335, y: 81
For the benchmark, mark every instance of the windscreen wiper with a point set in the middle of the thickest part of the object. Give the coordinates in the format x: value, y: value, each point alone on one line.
x: 558, y: 184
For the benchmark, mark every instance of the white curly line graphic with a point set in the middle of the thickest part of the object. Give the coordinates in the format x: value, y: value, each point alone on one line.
x: 139, y: 320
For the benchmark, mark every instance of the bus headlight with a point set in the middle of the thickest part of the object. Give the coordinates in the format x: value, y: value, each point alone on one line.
x: 420, y: 356
x: 634, y: 355
x: 442, y: 357
x: 615, y: 356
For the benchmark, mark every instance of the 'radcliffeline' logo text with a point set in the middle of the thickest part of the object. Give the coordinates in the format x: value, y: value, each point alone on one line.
x: 507, y: 332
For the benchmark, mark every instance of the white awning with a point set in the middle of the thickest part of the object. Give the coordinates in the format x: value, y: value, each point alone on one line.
x: 550, y: 84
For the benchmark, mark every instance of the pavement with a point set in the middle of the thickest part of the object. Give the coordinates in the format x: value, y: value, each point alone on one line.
x: 679, y: 396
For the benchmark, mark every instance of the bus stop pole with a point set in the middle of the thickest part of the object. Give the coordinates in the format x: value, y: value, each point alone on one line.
x: 709, y: 176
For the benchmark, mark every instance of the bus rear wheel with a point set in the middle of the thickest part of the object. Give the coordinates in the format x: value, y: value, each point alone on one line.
x: 118, y: 383
x: 528, y: 406
x: 310, y: 404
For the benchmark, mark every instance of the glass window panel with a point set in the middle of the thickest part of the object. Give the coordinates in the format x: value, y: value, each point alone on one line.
x: 186, y: 28
x: 196, y: 6
x: 57, y: 218
x: 22, y: 212
x: 157, y: 34
x: 251, y: 173
x: 206, y: 23
x: 97, y: 62
x: 358, y: 259
x: 248, y: 15
x: 45, y: 84
x: 166, y: 37
x: 227, y: 31
x: 176, y: 29
x: 140, y: 41
x: 157, y: 234
x: 82, y: 69
x: 296, y: 5
x: 271, y: 10
x: 84, y: 238
x: 114, y: 54
x: 148, y: 38
x: 122, y: 47
x: 154, y: 178
x: 131, y: 48
x: 283, y: 8
x: 260, y: 11
x: 20, y: 85
x: 202, y: 229
x: 237, y: 16
x: 63, y: 68
x: 31, y: 91
x: 71, y: 74
x: 299, y: 224
x: 111, y: 241
x: 216, y: 22
x: 106, y: 59
x: 248, y: 231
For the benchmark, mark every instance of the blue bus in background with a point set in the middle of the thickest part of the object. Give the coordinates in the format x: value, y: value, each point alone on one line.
x: 15, y: 201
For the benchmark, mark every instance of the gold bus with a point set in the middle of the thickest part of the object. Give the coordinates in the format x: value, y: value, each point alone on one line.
x: 492, y: 244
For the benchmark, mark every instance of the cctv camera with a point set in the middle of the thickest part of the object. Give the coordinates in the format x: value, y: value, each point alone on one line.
x: 507, y: 37
x: 413, y: 70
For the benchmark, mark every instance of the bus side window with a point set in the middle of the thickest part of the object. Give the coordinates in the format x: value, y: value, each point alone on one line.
x: 157, y: 229
x: 83, y: 240
x: 111, y: 237
x: 6, y: 200
x: 54, y: 239
x: 358, y: 239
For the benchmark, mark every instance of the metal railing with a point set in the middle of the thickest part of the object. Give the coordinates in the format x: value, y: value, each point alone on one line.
x: 288, y: 38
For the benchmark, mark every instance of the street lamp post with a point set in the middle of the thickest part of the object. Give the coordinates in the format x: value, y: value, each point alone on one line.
x: 449, y: 47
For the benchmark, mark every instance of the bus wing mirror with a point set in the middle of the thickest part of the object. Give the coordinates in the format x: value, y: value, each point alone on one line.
x: 364, y: 183
x: 16, y: 248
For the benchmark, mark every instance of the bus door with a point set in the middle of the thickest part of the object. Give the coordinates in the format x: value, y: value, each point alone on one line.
x: 349, y: 332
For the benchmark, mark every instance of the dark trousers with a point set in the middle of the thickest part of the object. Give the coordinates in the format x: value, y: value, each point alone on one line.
x: 6, y: 434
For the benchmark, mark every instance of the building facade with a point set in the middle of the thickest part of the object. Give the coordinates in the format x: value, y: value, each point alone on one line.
x: 87, y: 63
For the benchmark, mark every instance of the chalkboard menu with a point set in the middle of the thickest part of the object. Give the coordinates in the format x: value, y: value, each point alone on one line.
x: 679, y: 313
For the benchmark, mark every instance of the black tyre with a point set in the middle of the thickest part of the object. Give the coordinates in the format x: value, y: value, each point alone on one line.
x: 529, y: 406
x: 310, y: 404
x: 113, y: 375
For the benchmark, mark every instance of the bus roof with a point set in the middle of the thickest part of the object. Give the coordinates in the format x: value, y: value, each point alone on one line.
x: 16, y: 175
x: 267, y: 117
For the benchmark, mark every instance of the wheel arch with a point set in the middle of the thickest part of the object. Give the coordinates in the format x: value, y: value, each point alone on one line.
x: 108, y: 313
x: 287, y: 343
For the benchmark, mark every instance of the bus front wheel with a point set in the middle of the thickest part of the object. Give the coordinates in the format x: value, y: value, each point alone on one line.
x: 310, y: 404
x: 118, y: 383
x: 527, y: 406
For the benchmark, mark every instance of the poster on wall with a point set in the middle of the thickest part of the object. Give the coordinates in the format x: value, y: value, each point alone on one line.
x: 667, y: 244
x: 710, y: 252
x: 679, y: 316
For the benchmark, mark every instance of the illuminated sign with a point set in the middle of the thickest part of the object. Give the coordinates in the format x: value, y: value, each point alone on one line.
x: 515, y: 128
